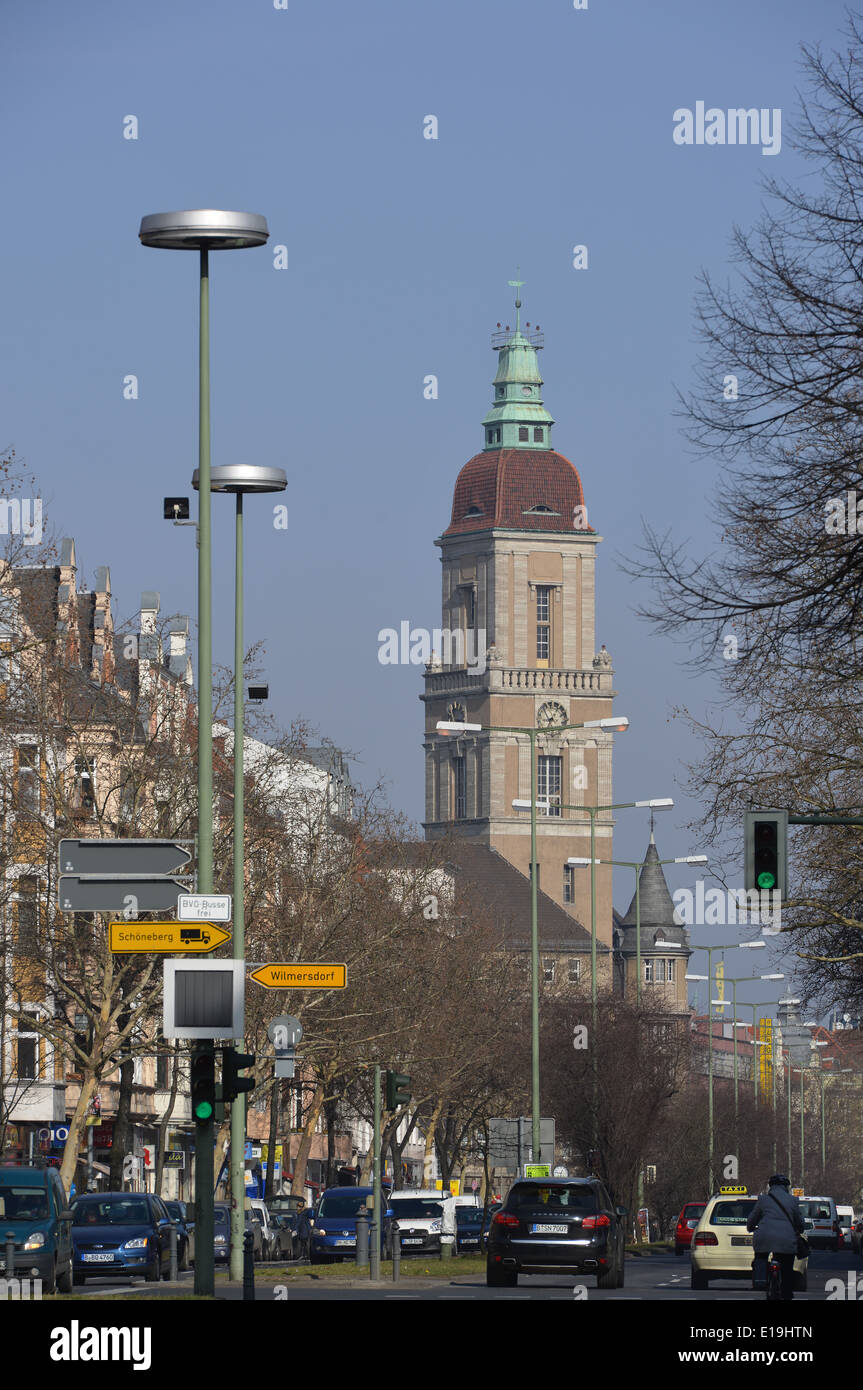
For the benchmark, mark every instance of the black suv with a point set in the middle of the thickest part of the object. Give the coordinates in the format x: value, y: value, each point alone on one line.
x: 556, y: 1226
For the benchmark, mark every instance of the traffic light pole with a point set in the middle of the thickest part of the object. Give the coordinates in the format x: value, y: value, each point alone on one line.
x: 204, y: 1214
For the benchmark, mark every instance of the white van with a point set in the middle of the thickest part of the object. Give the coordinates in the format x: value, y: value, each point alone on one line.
x: 822, y: 1223
x: 426, y: 1219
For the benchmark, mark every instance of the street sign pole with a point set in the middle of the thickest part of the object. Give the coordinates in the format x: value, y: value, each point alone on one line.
x: 238, y: 1106
x: 375, y: 1247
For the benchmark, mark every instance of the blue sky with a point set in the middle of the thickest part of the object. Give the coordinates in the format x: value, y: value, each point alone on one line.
x: 554, y: 129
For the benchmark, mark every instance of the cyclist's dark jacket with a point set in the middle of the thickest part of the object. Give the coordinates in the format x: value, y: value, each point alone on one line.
x: 773, y: 1230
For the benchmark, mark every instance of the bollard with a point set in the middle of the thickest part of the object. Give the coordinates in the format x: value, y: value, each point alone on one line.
x: 374, y: 1251
x: 445, y: 1249
x: 362, y: 1240
x: 173, y: 1268
x: 10, y: 1254
x: 248, y: 1267
x: 397, y: 1252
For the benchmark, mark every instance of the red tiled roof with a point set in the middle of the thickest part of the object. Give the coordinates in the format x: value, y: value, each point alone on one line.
x: 504, y: 484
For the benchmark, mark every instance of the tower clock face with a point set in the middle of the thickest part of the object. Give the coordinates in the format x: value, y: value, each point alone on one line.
x: 456, y: 714
x: 551, y: 716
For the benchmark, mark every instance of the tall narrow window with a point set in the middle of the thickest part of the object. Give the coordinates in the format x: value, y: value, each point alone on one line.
x: 84, y: 790
x: 28, y: 1048
x: 460, y: 787
x: 569, y: 883
x: 470, y: 609
x: 28, y: 777
x: 522, y: 434
x: 27, y: 912
x: 548, y: 784
x: 543, y: 623
x: 548, y: 970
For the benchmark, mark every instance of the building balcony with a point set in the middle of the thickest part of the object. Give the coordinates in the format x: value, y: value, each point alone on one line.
x: 518, y: 679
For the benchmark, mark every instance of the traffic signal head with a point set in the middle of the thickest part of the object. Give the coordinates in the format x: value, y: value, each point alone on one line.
x: 766, y: 851
x: 203, y: 1083
x: 397, y: 1090
x: 233, y: 1084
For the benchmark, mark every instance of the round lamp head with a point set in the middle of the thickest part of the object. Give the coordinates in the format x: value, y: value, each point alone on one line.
x: 204, y: 229
x: 244, y: 477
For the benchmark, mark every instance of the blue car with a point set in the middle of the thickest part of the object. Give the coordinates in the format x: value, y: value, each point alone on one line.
x: 121, y: 1233
x: 334, y: 1225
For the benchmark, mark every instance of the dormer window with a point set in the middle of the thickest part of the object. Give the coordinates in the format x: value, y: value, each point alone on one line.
x: 474, y: 511
x: 541, y: 509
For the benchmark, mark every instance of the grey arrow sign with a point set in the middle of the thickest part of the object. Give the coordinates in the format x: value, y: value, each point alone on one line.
x: 123, y: 857
x: 127, y: 895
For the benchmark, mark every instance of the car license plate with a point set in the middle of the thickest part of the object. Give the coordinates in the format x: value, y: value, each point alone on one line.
x: 549, y: 1230
x: 741, y: 1240
x: 98, y: 1259
x: 345, y: 1242
x: 412, y: 1240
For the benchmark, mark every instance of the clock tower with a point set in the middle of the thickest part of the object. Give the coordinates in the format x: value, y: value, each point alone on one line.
x: 518, y: 649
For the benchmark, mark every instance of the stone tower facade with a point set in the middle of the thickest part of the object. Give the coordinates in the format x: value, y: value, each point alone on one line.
x: 518, y: 649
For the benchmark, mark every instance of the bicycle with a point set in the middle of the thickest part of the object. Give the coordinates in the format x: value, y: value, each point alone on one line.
x: 774, y: 1280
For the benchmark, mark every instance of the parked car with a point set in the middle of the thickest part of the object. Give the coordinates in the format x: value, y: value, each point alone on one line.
x: 426, y: 1219
x: 33, y: 1204
x: 180, y: 1215
x: 222, y: 1233
x: 282, y: 1243
x: 722, y: 1247
x: 557, y: 1226
x: 117, y: 1233
x: 468, y: 1228
x: 822, y: 1222
x: 260, y: 1212
x: 686, y: 1224
x: 334, y: 1225
x: 857, y: 1234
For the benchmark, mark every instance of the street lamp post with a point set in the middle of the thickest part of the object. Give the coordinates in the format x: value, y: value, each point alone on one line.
x: 204, y: 230
x: 240, y: 479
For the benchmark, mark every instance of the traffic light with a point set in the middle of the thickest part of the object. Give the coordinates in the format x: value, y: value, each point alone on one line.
x: 397, y: 1090
x: 233, y: 1084
x: 766, y: 851
x: 203, y: 1076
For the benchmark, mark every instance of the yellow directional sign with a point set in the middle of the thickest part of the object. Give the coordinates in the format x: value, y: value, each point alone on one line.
x: 166, y: 938
x: 288, y: 976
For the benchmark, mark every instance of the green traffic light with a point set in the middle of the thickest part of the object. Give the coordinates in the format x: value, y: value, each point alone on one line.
x: 203, y: 1110
x: 766, y: 880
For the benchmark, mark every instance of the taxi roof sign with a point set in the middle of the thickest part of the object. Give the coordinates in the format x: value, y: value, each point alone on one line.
x: 734, y: 1191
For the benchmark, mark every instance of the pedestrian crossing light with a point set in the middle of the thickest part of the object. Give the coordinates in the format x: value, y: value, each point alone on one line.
x: 203, y: 1083
x: 397, y: 1090
x: 766, y: 851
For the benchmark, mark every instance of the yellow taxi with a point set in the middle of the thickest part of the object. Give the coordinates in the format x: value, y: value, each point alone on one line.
x: 722, y: 1246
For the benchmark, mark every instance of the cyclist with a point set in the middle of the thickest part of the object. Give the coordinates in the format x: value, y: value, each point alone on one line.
x: 777, y: 1222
